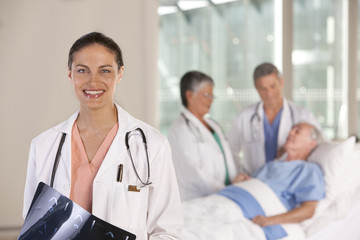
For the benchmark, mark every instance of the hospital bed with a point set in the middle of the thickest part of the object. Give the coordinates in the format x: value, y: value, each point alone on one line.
x: 336, y: 217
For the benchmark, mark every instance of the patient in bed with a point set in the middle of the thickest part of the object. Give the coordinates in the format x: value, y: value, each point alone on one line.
x: 297, y: 183
x: 282, y: 192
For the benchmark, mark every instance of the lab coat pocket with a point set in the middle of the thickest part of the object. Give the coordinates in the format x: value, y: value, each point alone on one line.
x: 128, y: 209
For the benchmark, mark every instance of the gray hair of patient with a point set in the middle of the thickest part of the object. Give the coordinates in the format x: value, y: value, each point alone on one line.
x: 192, y: 81
x: 265, y: 69
x: 316, y: 134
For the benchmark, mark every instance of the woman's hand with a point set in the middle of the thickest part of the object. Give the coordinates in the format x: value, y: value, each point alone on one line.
x: 241, y: 177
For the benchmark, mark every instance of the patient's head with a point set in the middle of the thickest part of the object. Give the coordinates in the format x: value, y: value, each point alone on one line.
x: 302, y: 139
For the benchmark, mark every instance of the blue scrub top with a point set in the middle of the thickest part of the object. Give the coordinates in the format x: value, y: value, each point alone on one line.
x: 293, y: 182
x: 271, y: 136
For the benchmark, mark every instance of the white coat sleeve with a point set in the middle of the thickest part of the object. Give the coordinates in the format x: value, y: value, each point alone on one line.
x: 190, y: 165
x: 165, y: 218
x: 31, y: 180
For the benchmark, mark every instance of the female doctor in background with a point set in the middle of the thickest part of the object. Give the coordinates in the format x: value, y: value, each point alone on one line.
x: 142, y: 199
x: 201, y: 155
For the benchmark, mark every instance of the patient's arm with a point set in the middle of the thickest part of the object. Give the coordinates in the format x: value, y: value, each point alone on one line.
x: 304, y: 211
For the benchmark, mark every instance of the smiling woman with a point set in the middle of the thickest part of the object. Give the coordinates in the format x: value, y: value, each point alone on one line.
x: 92, y: 151
x: 95, y: 74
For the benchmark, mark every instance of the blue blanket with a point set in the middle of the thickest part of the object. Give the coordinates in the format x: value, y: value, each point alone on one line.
x: 251, y: 208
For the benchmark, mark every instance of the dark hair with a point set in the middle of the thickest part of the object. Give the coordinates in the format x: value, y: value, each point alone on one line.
x: 96, y: 38
x: 265, y: 69
x: 191, y: 81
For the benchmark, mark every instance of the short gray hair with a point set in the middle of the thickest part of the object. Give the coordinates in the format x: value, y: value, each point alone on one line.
x: 265, y: 69
x: 316, y: 134
x: 191, y: 81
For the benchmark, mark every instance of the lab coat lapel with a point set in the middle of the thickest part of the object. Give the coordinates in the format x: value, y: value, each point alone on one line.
x: 260, y: 111
x: 113, y: 155
x: 285, y: 123
x: 117, y: 148
x: 217, y: 129
x: 228, y: 155
x: 205, y: 134
x: 65, y: 158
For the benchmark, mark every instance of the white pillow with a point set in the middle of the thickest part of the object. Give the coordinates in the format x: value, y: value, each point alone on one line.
x: 336, y: 159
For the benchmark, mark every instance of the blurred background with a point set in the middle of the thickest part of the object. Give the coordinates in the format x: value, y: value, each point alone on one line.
x: 315, y: 43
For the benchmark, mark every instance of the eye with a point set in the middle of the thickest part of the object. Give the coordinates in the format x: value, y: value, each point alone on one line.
x: 105, y: 71
x: 81, y: 70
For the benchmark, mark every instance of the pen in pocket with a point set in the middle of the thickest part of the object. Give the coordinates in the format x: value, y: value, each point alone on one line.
x: 120, y: 173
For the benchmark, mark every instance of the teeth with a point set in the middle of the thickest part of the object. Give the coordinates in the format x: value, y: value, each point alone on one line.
x: 93, y: 92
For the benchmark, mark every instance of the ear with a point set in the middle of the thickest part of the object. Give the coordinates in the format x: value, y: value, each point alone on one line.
x: 313, y: 144
x: 281, y: 79
x: 189, y: 95
x: 255, y: 83
x: 121, y: 72
x: 69, y: 74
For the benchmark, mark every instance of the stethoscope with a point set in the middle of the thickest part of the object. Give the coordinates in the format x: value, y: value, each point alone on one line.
x: 192, y: 128
x: 127, y: 136
x: 255, y: 125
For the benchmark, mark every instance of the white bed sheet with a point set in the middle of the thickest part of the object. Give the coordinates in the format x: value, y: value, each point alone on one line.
x: 344, y: 227
x: 348, y: 228
x: 335, y: 218
x: 335, y: 222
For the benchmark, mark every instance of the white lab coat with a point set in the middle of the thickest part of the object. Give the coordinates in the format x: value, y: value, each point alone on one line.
x: 153, y: 213
x: 198, y: 160
x: 246, y: 136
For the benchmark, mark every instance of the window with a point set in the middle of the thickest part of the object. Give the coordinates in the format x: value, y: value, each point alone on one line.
x: 225, y: 41
x: 317, y: 62
x: 228, y: 40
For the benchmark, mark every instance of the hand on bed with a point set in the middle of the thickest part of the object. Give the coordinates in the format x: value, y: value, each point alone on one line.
x: 241, y: 177
x: 262, y: 221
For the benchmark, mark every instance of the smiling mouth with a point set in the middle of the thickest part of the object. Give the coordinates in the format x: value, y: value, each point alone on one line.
x: 93, y: 93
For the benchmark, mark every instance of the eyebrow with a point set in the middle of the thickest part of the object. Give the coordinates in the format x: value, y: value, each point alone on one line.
x: 81, y: 65
x: 102, y: 66
x: 106, y: 65
x: 298, y: 127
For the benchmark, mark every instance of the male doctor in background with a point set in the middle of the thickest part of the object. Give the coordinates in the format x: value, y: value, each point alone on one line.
x: 259, y: 131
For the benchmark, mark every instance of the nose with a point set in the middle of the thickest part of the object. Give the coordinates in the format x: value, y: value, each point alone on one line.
x: 292, y: 131
x: 210, y: 98
x: 93, y: 79
x: 269, y: 92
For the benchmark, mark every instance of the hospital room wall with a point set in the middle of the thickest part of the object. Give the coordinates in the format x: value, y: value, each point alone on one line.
x: 35, y: 37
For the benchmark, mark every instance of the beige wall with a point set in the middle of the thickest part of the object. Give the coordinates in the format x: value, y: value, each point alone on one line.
x: 35, y: 36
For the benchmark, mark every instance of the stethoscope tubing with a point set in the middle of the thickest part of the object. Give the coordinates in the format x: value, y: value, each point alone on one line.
x: 57, y: 157
x: 257, y: 116
x: 192, y: 128
x: 127, y: 135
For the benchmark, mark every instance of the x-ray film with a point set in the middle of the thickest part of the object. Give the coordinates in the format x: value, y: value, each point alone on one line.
x: 54, y: 216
